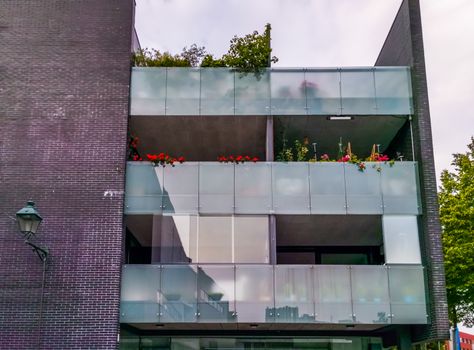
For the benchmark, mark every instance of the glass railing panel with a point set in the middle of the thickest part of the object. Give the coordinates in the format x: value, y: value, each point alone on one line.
x: 358, y: 91
x: 216, y: 293
x: 363, y: 189
x: 290, y: 183
x: 254, y: 293
x: 178, y: 293
x: 182, y: 91
x: 294, y: 294
x: 288, y: 92
x: 143, y: 188
x: 253, y: 191
x: 370, y: 298
x: 332, y: 288
x: 400, y: 188
x: 217, y: 91
x: 251, y: 239
x: 401, y: 242
x: 216, y: 188
x: 215, y: 239
x: 407, y: 295
x: 139, y: 294
x: 393, y: 89
x: 180, y: 193
x: 148, y: 91
x: 323, y: 91
x: 252, y: 93
x: 328, y: 192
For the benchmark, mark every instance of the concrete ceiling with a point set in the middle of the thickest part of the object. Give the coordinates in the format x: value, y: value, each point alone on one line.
x: 329, y: 230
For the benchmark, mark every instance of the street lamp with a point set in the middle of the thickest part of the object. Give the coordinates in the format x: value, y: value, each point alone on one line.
x: 29, y: 220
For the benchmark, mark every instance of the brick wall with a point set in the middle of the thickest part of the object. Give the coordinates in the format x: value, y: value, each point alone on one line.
x: 64, y: 84
x: 404, y: 46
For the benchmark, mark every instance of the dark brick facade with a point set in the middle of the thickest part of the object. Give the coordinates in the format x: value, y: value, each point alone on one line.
x: 404, y: 46
x: 64, y: 85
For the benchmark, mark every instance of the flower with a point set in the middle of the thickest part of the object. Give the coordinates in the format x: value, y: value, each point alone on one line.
x: 325, y: 157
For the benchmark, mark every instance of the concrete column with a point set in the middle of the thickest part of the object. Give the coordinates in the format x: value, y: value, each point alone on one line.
x: 269, y: 143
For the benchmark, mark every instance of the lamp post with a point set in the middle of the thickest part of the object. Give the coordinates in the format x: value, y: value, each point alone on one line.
x: 29, y: 220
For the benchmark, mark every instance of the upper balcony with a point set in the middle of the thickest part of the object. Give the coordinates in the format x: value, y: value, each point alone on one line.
x: 272, y: 188
x: 279, y: 92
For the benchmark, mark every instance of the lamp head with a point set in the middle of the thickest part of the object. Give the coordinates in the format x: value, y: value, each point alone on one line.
x: 28, y: 219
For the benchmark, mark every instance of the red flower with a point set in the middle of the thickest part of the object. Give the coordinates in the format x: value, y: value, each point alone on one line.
x: 255, y: 159
x: 181, y: 159
x: 152, y: 157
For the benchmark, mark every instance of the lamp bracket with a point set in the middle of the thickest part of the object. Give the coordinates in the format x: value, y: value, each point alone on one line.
x: 42, y: 252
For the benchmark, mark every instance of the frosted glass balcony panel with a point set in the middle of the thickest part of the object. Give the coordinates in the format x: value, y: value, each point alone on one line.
x: 175, y: 239
x: 182, y: 91
x: 328, y: 192
x: 294, y: 294
x: 290, y: 188
x: 400, y: 188
x: 288, y: 92
x: 363, y: 189
x: 178, y: 293
x: 251, y: 239
x: 401, y: 242
x: 216, y: 188
x: 144, y: 188
x: 215, y: 239
x: 332, y: 289
x: 358, y: 91
x: 217, y: 91
x: 323, y: 92
x: 216, y: 293
x: 139, y: 294
x: 181, y: 188
x: 253, y: 188
x: 254, y: 293
x: 407, y: 294
x: 252, y: 93
x: 393, y: 89
x: 370, y: 296
x: 148, y: 91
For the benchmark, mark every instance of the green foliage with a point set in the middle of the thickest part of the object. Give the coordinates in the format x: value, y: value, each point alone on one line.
x: 297, y: 153
x: 456, y: 199
x: 249, y: 54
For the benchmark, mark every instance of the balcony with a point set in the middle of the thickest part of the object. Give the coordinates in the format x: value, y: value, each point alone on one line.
x: 272, y: 188
x: 310, y: 294
x: 280, y: 92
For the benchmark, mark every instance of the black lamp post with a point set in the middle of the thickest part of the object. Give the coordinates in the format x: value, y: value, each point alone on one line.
x: 29, y: 220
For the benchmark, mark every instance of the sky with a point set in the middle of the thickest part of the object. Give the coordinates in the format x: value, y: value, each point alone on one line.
x: 330, y: 33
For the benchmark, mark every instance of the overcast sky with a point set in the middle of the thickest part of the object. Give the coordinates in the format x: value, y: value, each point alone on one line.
x: 329, y: 33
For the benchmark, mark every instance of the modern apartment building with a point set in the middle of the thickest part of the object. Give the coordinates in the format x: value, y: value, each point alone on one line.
x: 208, y: 254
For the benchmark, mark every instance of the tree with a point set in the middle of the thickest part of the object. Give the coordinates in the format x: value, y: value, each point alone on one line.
x: 456, y: 198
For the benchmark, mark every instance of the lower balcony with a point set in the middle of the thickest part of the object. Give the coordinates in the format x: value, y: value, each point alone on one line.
x: 253, y: 295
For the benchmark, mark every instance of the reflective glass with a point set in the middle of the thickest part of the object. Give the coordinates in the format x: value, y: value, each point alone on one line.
x: 182, y: 91
x: 333, y: 294
x: 288, y: 92
x: 401, y: 242
x: 400, y: 188
x: 328, y: 192
x: 253, y: 188
x: 216, y: 188
x: 147, y: 91
x: 252, y: 93
x: 216, y: 293
x: 251, y: 239
x: 363, y: 189
x: 174, y: 239
x: 215, y: 239
x: 178, y: 293
x: 254, y: 293
x: 217, y: 91
x: 370, y: 294
x: 294, y: 294
x: 358, y: 91
x: 393, y: 91
x: 323, y: 94
x: 181, y: 188
x: 143, y: 188
x: 407, y: 294
x: 290, y: 188
x: 139, y: 294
